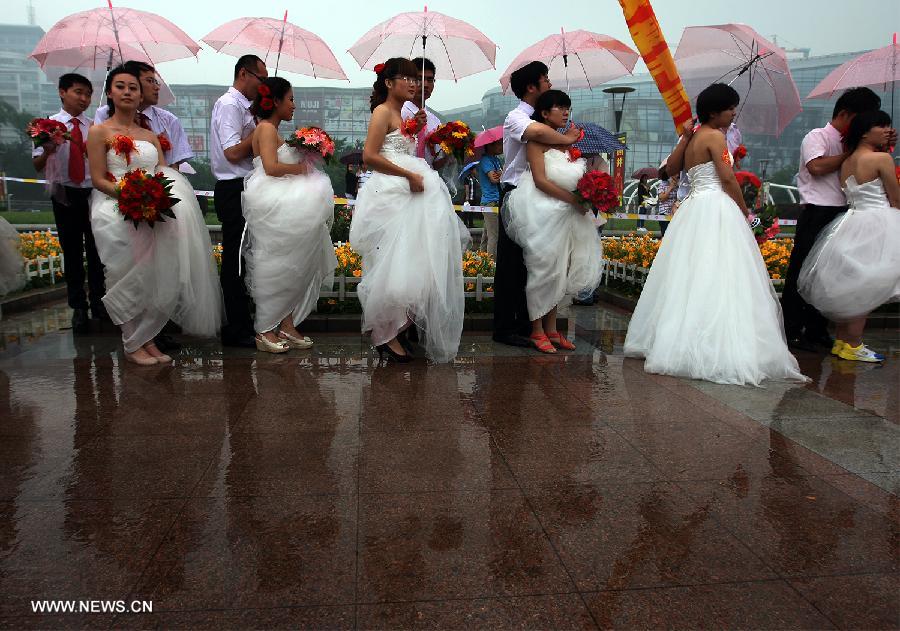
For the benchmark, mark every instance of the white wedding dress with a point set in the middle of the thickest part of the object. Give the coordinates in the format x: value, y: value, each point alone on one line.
x: 290, y: 256
x: 12, y: 265
x: 563, y: 252
x: 708, y: 309
x: 854, y: 266
x: 156, y: 274
x: 411, y: 246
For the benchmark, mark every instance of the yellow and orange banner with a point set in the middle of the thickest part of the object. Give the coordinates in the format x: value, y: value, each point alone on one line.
x: 655, y: 52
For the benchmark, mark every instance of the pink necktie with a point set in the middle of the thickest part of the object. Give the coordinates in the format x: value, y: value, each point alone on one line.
x: 420, y: 143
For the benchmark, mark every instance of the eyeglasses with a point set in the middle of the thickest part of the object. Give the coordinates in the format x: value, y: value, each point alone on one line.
x: 152, y: 81
x: 413, y: 80
x: 261, y: 79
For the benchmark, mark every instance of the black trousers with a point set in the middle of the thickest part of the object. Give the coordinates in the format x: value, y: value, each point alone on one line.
x: 800, y: 317
x: 73, y: 225
x: 510, y: 277
x: 227, y: 196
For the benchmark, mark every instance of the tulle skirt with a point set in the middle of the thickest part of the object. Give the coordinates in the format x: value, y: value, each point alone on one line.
x: 708, y: 309
x: 563, y: 252
x: 411, y: 246
x: 158, y: 274
x: 289, y: 254
x: 854, y: 266
x: 12, y: 265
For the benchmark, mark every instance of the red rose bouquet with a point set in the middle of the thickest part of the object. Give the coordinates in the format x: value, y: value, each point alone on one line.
x: 123, y: 146
x: 454, y: 138
x: 145, y: 197
x: 44, y: 130
x: 750, y: 186
x: 764, y: 224
x: 410, y: 127
x: 312, y: 140
x: 597, y: 189
x: 740, y: 153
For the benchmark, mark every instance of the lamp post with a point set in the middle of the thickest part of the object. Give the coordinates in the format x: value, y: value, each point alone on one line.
x: 619, y: 155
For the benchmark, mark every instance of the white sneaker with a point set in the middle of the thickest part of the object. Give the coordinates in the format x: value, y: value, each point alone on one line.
x: 861, y: 353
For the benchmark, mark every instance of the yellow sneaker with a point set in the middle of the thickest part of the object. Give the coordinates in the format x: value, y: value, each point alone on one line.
x: 861, y: 353
x: 838, y: 345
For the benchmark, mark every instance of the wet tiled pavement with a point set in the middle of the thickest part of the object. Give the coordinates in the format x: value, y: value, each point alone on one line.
x: 510, y: 489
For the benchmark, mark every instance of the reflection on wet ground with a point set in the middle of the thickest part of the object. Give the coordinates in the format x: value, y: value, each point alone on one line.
x: 510, y: 489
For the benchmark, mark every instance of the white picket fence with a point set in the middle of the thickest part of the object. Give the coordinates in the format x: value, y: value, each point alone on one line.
x: 44, y: 266
x: 635, y: 275
x: 346, y: 288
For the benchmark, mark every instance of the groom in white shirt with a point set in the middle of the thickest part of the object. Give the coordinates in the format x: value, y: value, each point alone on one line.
x: 411, y: 108
x: 511, y: 323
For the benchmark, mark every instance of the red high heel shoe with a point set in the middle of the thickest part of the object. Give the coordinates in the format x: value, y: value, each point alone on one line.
x: 560, y: 340
x: 542, y: 343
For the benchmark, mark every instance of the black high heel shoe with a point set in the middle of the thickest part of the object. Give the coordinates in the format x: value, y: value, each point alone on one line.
x: 405, y: 343
x: 392, y: 354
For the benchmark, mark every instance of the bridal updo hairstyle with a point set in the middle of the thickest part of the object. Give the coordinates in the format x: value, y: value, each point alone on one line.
x: 130, y: 70
x: 393, y: 67
x: 716, y: 98
x: 862, y: 123
x: 264, y: 104
x: 549, y: 100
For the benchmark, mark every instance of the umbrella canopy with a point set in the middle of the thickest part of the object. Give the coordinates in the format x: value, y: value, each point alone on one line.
x: 88, y: 39
x: 487, y: 137
x: 597, y: 140
x: 456, y: 48
x: 650, y: 172
x: 875, y: 69
x: 354, y: 157
x: 577, y: 59
x: 751, y: 64
x: 277, y: 42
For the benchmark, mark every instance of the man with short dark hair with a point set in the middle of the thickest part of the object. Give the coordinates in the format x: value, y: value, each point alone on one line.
x: 150, y: 116
x: 821, y: 156
x: 231, y: 158
x: 511, y: 322
x: 68, y: 175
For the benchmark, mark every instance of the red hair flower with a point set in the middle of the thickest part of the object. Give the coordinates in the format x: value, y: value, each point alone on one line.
x: 378, y: 68
x: 264, y: 90
x: 164, y: 142
x: 267, y: 103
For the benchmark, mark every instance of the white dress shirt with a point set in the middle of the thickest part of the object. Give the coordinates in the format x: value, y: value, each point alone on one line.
x: 231, y: 123
x: 161, y: 122
x: 517, y: 121
x: 410, y: 110
x: 824, y: 190
x: 57, y: 167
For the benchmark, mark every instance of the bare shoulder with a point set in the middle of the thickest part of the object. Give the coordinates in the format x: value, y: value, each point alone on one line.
x: 99, y: 130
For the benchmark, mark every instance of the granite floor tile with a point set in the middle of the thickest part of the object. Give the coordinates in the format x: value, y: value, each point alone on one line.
x: 864, y: 601
x: 336, y: 617
x: 641, y: 535
x: 255, y: 552
x: 435, y: 546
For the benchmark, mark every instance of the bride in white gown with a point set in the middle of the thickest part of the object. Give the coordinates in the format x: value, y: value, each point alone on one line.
x: 854, y: 266
x: 289, y: 207
x: 404, y: 228
x: 562, y: 250
x: 12, y: 265
x: 152, y: 274
x: 708, y: 309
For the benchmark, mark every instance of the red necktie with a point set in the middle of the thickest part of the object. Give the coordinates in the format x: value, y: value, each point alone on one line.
x: 76, y: 153
x: 143, y: 120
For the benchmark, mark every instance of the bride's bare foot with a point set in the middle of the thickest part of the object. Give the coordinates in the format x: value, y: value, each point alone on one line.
x: 157, y: 354
x: 141, y: 357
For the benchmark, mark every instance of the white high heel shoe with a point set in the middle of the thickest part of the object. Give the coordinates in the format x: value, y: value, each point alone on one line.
x: 264, y: 345
x: 295, y: 342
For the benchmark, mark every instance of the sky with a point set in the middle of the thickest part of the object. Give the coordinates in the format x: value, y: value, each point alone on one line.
x: 824, y: 26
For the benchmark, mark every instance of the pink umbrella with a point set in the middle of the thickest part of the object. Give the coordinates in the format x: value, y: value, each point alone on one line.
x: 751, y: 64
x: 600, y: 58
x: 86, y: 38
x: 295, y: 49
x: 487, y: 137
x: 875, y: 68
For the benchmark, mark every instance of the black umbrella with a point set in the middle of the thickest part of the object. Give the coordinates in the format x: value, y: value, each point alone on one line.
x: 354, y: 157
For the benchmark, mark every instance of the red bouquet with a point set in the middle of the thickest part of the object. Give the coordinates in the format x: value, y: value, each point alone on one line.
x: 597, y: 189
x: 454, y: 138
x: 164, y: 143
x: 740, y: 153
x: 765, y: 224
x: 44, y: 130
x: 145, y: 197
x: 410, y: 127
x: 897, y: 172
x: 123, y: 146
x: 313, y: 140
